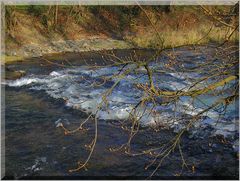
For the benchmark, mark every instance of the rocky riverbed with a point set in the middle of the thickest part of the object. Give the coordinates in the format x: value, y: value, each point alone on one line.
x: 90, y: 44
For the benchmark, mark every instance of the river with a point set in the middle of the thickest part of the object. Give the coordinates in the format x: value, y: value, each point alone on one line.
x: 50, y: 94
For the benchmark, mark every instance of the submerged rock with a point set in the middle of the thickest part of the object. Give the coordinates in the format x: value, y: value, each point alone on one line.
x: 13, y: 74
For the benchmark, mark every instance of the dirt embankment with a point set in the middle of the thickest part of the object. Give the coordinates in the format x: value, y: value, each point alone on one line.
x: 29, y: 38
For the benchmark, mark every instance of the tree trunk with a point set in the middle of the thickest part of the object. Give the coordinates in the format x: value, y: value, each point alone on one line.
x: 56, y: 16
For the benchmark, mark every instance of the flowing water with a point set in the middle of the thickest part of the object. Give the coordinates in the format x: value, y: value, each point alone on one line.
x: 50, y: 95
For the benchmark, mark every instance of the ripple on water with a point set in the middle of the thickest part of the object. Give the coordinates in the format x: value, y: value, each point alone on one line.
x: 74, y: 86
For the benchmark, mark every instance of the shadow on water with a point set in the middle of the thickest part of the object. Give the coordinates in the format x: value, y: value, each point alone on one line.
x: 35, y: 147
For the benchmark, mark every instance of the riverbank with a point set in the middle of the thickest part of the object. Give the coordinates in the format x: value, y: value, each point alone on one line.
x: 33, y: 31
x: 82, y: 45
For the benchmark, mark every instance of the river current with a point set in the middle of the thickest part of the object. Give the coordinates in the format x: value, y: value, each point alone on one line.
x: 74, y: 87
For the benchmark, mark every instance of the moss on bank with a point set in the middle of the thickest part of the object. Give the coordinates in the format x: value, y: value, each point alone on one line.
x: 9, y: 59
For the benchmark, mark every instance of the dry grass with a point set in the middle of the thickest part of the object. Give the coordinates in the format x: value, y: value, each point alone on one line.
x: 173, y: 38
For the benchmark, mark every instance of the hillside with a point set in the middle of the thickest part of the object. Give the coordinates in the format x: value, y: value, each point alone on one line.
x: 35, y: 30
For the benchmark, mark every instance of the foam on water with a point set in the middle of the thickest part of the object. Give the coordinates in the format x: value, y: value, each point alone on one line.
x: 74, y: 85
x: 25, y: 81
x: 53, y: 73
